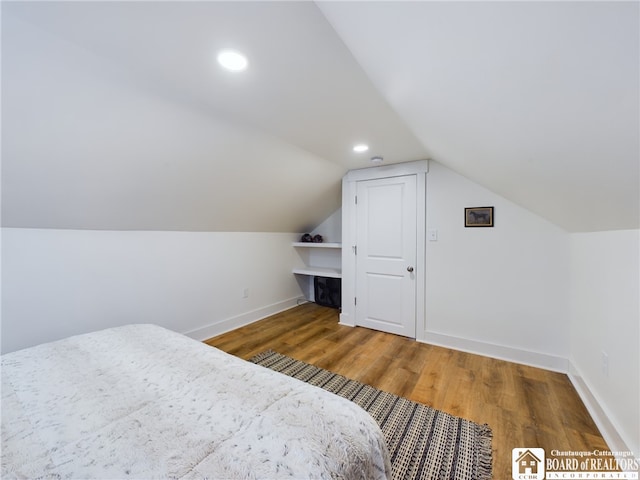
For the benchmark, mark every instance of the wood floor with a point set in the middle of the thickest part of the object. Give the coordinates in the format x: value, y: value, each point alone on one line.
x: 524, y: 406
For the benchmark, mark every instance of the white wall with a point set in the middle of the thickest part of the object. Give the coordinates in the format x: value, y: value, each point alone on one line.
x: 56, y: 283
x: 527, y: 291
x: 498, y: 291
x: 605, y: 317
x: 331, y: 228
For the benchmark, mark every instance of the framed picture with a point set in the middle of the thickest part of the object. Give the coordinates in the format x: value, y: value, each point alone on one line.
x: 478, y: 217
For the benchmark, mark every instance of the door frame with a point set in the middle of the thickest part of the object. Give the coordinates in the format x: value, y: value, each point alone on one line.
x: 418, y: 168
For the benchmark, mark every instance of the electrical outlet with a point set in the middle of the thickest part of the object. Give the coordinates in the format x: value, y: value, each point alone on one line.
x: 245, y: 293
x: 605, y: 363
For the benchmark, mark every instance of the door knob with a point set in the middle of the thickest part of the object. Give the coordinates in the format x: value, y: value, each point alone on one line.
x: 409, y: 269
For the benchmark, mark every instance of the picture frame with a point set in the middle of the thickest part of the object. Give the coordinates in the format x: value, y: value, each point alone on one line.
x: 478, y: 217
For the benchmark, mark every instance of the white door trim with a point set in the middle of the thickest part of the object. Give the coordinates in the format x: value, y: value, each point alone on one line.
x: 349, y: 235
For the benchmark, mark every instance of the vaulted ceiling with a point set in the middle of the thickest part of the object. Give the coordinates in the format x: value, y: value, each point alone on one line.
x: 115, y: 115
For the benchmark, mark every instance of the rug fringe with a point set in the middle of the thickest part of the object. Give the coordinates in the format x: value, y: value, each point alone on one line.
x: 261, y: 356
x: 485, y: 454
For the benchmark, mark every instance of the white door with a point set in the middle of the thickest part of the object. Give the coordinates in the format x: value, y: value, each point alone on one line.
x: 386, y: 255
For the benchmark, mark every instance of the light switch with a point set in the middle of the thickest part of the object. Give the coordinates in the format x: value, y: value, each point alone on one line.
x: 432, y: 234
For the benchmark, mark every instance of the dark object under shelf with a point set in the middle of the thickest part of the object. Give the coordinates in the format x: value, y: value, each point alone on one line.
x: 327, y: 291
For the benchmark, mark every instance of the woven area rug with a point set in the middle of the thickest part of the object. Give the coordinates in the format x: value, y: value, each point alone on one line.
x: 423, y: 443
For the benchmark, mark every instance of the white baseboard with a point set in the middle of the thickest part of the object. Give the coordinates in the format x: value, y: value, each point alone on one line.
x: 598, y: 413
x: 524, y: 357
x: 243, y: 319
x: 346, y: 320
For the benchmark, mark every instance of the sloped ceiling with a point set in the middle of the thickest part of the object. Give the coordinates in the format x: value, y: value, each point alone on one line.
x: 536, y: 100
x: 115, y: 115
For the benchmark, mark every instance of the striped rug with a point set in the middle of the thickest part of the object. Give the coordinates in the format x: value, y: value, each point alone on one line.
x: 423, y: 443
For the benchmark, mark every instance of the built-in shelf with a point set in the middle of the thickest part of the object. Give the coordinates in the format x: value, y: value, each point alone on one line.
x: 317, y: 245
x: 319, y: 272
x: 321, y: 264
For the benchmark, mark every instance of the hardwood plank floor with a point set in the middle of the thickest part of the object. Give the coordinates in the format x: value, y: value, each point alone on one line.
x: 525, y: 406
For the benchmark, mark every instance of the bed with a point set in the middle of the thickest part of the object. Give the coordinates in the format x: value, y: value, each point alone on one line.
x: 141, y: 401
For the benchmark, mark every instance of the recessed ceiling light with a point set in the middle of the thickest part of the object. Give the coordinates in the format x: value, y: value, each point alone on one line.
x: 361, y: 148
x: 232, y: 60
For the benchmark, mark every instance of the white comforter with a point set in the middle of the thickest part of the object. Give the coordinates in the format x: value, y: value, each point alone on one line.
x: 141, y: 401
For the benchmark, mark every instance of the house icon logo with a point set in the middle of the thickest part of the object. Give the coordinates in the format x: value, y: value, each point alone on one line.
x: 527, y: 463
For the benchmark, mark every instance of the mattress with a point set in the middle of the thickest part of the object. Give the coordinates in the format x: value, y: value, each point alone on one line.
x: 141, y: 401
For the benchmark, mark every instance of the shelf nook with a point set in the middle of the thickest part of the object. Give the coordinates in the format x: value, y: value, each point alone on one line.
x: 320, y: 260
